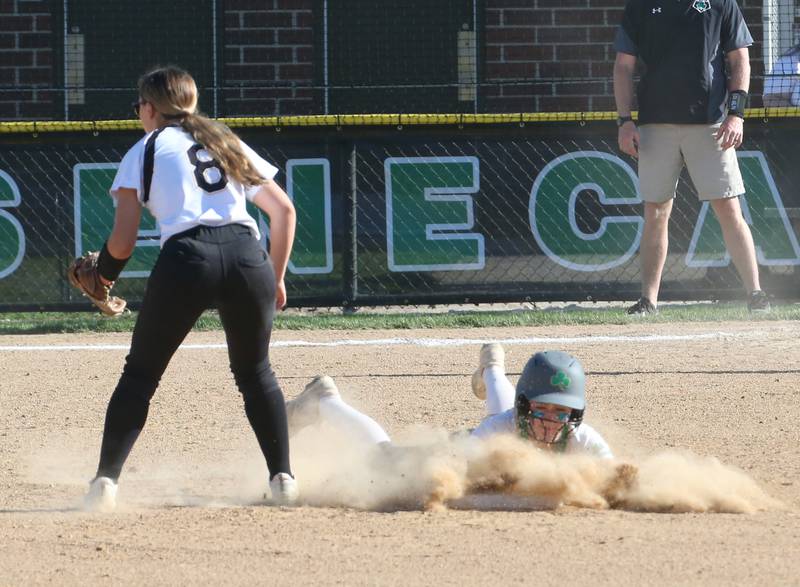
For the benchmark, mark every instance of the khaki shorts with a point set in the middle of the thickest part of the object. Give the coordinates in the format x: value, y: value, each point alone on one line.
x: 664, y: 148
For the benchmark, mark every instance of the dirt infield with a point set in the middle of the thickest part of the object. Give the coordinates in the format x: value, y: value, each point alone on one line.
x: 187, y: 513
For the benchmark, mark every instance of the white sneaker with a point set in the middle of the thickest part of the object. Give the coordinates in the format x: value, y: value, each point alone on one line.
x: 283, y: 489
x: 102, y: 495
x: 303, y: 410
x: 492, y: 355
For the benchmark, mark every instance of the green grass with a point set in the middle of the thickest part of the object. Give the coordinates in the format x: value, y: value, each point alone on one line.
x: 55, y: 322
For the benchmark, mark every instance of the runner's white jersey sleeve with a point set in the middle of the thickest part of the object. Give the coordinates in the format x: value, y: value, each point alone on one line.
x: 584, y: 439
x: 187, y: 187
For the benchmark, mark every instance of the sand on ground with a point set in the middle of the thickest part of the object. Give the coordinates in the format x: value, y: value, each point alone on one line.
x: 707, y: 412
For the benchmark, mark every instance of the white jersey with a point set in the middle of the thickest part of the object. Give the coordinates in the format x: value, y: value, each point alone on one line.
x: 187, y: 188
x: 584, y: 439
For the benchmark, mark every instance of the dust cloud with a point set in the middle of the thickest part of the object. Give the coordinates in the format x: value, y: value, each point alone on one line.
x: 429, y: 469
x: 507, y: 473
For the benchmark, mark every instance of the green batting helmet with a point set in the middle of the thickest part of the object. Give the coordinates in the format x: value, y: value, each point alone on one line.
x: 554, y: 377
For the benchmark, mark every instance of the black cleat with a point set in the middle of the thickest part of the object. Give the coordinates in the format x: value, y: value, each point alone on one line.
x: 758, y: 302
x: 643, y: 307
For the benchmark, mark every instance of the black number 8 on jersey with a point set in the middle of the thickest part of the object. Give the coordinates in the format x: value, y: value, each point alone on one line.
x: 209, y: 175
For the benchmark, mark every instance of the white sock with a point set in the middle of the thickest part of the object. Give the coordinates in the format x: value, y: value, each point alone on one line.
x: 500, y: 393
x: 348, y: 421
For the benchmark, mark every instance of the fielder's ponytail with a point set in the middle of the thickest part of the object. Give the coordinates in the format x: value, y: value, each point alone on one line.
x: 173, y: 93
x: 224, y: 146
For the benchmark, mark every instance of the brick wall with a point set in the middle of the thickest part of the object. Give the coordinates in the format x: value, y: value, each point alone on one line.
x: 751, y: 10
x: 268, y: 43
x: 26, y: 60
x: 540, y: 55
x: 568, y: 46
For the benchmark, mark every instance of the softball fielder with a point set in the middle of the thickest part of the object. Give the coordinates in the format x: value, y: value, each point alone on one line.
x: 546, y: 407
x: 195, y: 176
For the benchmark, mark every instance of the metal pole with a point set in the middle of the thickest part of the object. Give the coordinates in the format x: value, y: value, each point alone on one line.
x: 214, y: 52
x: 350, y: 271
x: 475, y: 65
x: 325, y: 51
x: 66, y: 101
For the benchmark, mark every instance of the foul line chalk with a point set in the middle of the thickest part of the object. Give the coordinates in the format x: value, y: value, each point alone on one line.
x: 424, y: 342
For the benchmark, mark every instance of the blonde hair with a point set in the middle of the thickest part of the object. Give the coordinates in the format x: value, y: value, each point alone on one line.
x: 173, y: 93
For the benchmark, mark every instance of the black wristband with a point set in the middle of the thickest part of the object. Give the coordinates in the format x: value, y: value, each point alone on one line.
x: 737, y: 102
x: 109, y: 267
x: 623, y: 119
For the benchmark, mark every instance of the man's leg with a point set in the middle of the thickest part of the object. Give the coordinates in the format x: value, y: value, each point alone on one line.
x: 660, y: 164
x: 718, y: 179
x: 738, y: 240
x: 655, y: 242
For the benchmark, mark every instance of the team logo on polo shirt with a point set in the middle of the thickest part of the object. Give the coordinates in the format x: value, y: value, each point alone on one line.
x: 701, y: 5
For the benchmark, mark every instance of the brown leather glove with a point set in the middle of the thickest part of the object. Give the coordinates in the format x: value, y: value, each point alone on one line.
x: 82, y: 274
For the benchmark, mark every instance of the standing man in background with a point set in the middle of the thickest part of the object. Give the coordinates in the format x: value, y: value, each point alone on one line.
x: 690, y: 112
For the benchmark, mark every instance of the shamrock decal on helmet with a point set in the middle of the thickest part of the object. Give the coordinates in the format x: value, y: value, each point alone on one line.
x: 560, y: 379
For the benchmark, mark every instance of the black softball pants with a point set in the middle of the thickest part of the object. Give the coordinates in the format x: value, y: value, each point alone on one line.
x: 197, y: 269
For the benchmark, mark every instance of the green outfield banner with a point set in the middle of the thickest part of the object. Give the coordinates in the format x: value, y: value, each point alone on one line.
x: 308, y: 183
x: 402, y: 217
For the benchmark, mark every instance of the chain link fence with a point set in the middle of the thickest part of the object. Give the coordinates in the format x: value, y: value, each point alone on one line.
x: 79, y: 59
x: 546, y: 211
x: 449, y: 151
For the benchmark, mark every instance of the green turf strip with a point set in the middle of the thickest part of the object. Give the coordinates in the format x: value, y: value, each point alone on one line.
x: 54, y: 322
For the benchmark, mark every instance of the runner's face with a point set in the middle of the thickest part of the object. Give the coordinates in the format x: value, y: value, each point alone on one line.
x: 548, y: 422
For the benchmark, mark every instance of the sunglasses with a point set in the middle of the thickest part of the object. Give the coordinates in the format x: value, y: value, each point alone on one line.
x: 137, y: 106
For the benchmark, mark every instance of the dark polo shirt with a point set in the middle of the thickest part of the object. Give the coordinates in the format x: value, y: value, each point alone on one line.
x: 682, y: 44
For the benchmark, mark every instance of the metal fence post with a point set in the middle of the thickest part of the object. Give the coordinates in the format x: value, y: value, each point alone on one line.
x: 350, y: 250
